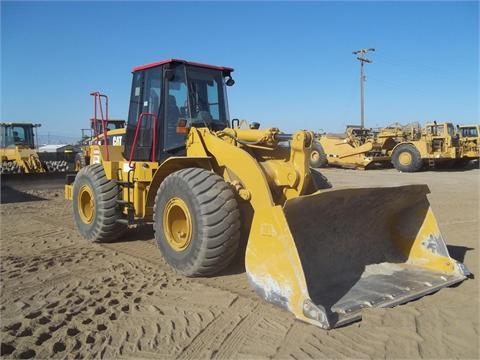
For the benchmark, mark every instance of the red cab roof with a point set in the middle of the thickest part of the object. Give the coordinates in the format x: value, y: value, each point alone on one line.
x: 147, y: 66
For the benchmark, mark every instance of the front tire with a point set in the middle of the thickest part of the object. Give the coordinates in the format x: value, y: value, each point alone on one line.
x: 95, y: 207
x: 407, y: 158
x: 318, y: 159
x: 196, y: 222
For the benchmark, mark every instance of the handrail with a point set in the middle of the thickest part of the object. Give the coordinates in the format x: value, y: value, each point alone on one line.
x: 154, y: 140
x: 97, y: 98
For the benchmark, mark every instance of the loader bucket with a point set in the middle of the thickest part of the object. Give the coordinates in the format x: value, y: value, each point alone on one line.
x: 328, y: 255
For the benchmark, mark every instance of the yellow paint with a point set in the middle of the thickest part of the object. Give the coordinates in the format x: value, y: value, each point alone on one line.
x: 68, y: 192
x: 416, y: 250
x: 405, y: 158
x: 177, y: 223
x: 25, y: 157
x: 272, y: 259
x: 86, y: 204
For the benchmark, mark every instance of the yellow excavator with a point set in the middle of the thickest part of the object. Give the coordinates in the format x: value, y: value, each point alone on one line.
x: 208, y: 186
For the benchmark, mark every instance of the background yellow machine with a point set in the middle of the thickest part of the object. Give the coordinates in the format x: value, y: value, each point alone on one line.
x: 357, y: 149
x: 115, y: 131
x: 470, y: 143
x: 209, y: 188
x: 17, y: 149
x: 407, y: 147
x: 436, y: 146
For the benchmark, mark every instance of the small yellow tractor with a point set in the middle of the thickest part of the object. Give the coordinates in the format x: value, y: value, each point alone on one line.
x: 209, y: 187
x: 436, y: 146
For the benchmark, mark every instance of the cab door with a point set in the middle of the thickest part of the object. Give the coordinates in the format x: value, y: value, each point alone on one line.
x: 176, y: 108
x: 145, y: 107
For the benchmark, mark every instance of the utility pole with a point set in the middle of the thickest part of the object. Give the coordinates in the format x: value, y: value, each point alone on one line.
x: 361, y: 57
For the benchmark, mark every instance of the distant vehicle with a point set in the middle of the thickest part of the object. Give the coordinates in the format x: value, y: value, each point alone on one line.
x: 470, y: 142
x: 115, y: 130
x: 407, y: 147
x: 18, y: 151
x: 436, y: 146
x: 357, y: 149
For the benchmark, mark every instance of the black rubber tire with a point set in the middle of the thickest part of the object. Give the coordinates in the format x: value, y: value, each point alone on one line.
x: 318, y: 159
x: 461, y: 163
x: 80, y: 161
x: 416, y: 159
x: 104, y: 226
x: 445, y: 164
x: 215, y: 218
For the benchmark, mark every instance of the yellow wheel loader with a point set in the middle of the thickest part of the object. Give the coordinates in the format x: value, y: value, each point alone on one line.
x: 17, y: 149
x: 114, y: 129
x: 323, y: 254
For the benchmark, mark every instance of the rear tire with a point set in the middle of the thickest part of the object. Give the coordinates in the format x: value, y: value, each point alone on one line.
x: 318, y: 159
x: 196, y: 222
x: 80, y: 161
x: 95, y: 207
x: 407, y: 158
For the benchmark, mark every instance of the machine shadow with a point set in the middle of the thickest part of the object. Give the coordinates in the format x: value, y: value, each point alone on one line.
x: 458, y: 252
x: 10, y: 195
x: 141, y: 233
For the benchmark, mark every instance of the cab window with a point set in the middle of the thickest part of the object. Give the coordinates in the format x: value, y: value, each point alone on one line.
x: 176, y: 108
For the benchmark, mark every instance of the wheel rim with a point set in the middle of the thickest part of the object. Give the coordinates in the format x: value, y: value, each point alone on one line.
x: 177, y: 224
x: 405, y: 158
x: 86, y: 204
x: 314, y: 155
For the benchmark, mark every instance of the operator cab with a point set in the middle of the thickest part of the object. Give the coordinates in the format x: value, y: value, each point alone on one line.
x: 112, y: 124
x: 17, y: 134
x: 168, y: 95
x: 468, y: 131
x: 439, y: 129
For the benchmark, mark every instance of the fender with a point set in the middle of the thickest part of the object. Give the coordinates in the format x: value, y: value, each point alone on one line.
x: 169, y: 166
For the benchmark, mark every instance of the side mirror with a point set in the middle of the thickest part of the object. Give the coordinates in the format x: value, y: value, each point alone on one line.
x: 229, y: 81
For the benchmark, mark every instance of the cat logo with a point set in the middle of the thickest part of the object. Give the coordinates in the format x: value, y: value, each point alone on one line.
x: 117, y: 141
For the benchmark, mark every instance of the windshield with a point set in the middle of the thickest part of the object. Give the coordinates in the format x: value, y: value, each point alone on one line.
x: 17, y: 134
x: 196, y: 95
x: 451, y: 130
x: 206, y: 95
x: 469, y: 131
x: 439, y: 130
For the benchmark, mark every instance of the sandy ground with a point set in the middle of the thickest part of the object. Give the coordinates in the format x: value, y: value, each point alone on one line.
x: 62, y: 296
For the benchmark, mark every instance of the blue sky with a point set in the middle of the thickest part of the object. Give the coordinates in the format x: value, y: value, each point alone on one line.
x: 293, y: 61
